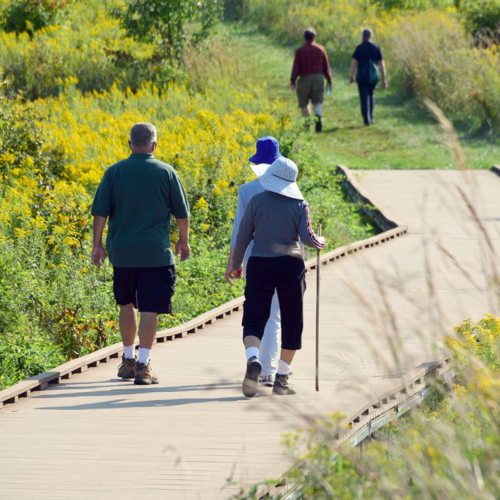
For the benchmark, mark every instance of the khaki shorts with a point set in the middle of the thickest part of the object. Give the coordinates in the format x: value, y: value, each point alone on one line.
x: 310, y: 87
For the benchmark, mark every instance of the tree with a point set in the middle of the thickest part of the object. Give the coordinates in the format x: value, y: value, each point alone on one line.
x: 164, y: 23
x: 481, y: 16
x: 33, y: 15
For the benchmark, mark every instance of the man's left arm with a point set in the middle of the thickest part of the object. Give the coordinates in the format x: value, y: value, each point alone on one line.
x: 326, y: 69
x: 182, y: 245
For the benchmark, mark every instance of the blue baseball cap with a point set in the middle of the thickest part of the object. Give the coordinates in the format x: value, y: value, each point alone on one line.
x: 268, y: 150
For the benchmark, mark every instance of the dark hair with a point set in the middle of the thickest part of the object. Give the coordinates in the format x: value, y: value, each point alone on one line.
x: 309, y: 34
x: 367, y: 35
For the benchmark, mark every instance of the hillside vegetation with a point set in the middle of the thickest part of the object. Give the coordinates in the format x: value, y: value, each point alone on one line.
x: 434, y: 50
x: 74, y: 83
x: 459, y: 67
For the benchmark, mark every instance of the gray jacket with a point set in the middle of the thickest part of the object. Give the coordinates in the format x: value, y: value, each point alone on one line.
x: 276, y: 224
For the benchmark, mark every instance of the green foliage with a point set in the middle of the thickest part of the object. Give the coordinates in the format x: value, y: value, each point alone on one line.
x: 481, y: 16
x: 24, y: 354
x: 21, y: 142
x: 163, y: 23
x: 412, y: 4
x: 42, y: 64
x: 434, y: 58
x: 32, y: 15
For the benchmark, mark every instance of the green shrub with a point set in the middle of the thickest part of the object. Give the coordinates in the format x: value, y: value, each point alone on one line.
x: 32, y: 15
x: 164, y: 23
x: 24, y: 354
x: 481, y: 15
x: 412, y: 4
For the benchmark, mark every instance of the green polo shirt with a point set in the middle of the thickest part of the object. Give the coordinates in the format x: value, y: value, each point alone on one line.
x: 138, y: 195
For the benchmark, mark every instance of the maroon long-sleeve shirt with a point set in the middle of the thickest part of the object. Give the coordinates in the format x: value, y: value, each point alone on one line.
x: 311, y: 59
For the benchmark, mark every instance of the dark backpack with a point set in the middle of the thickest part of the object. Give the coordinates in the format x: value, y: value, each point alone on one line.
x: 370, y: 73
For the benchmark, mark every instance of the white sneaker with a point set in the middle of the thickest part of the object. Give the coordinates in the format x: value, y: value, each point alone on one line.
x: 266, y: 380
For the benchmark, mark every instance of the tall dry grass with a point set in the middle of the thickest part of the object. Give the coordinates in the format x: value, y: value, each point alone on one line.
x: 450, y: 447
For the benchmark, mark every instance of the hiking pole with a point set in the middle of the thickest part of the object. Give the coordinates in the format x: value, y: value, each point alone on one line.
x: 318, y: 289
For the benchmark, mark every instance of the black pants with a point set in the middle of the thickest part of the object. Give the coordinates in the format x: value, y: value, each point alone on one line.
x: 367, y: 103
x: 286, y: 275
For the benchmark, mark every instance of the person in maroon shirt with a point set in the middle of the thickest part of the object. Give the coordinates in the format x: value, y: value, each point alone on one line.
x: 311, y: 65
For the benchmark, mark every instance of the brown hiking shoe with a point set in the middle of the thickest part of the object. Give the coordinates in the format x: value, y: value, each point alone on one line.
x: 251, y: 381
x: 282, y: 385
x: 127, y: 368
x: 144, y: 375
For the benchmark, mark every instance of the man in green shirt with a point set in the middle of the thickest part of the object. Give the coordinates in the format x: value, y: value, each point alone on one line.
x: 139, y: 195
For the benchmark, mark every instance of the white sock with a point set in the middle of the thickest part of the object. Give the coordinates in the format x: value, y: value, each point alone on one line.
x: 129, y: 351
x: 144, y: 355
x: 318, y: 109
x: 283, y: 368
x: 251, y: 352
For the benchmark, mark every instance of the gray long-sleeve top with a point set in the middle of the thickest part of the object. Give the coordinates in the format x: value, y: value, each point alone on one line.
x: 276, y: 223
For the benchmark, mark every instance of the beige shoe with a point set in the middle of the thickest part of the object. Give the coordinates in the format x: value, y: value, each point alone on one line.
x: 282, y: 385
x: 127, y: 368
x: 144, y: 375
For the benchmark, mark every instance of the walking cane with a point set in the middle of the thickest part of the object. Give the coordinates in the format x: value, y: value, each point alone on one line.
x: 318, y: 290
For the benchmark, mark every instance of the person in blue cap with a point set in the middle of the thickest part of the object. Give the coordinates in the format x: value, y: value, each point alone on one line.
x: 277, y: 222
x: 268, y: 150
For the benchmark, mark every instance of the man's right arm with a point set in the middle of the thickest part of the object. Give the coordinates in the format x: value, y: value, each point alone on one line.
x: 101, y: 210
x: 354, y: 65
x: 179, y: 207
x: 295, y: 72
x: 240, y: 211
x: 98, y: 252
x: 245, y: 236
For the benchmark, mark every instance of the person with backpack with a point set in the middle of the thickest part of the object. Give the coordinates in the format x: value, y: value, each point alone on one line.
x: 367, y: 60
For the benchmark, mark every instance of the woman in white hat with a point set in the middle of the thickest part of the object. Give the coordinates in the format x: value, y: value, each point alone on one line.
x: 276, y: 220
x: 268, y: 150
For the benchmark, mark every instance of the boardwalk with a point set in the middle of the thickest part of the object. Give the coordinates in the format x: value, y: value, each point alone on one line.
x: 95, y: 436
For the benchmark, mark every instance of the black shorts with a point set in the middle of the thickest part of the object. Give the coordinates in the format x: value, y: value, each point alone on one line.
x: 149, y: 289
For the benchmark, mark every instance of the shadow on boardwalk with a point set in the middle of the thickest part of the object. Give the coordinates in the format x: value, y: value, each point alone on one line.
x: 93, y: 390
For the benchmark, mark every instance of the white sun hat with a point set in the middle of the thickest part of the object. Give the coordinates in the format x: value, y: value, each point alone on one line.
x: 280, y: 178
x: 260, y: 170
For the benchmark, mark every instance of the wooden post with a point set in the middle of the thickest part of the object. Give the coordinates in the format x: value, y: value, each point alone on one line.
x: 318, y: 290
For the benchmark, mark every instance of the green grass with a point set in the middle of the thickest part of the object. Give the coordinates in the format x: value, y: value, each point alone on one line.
x: 404, y: 136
